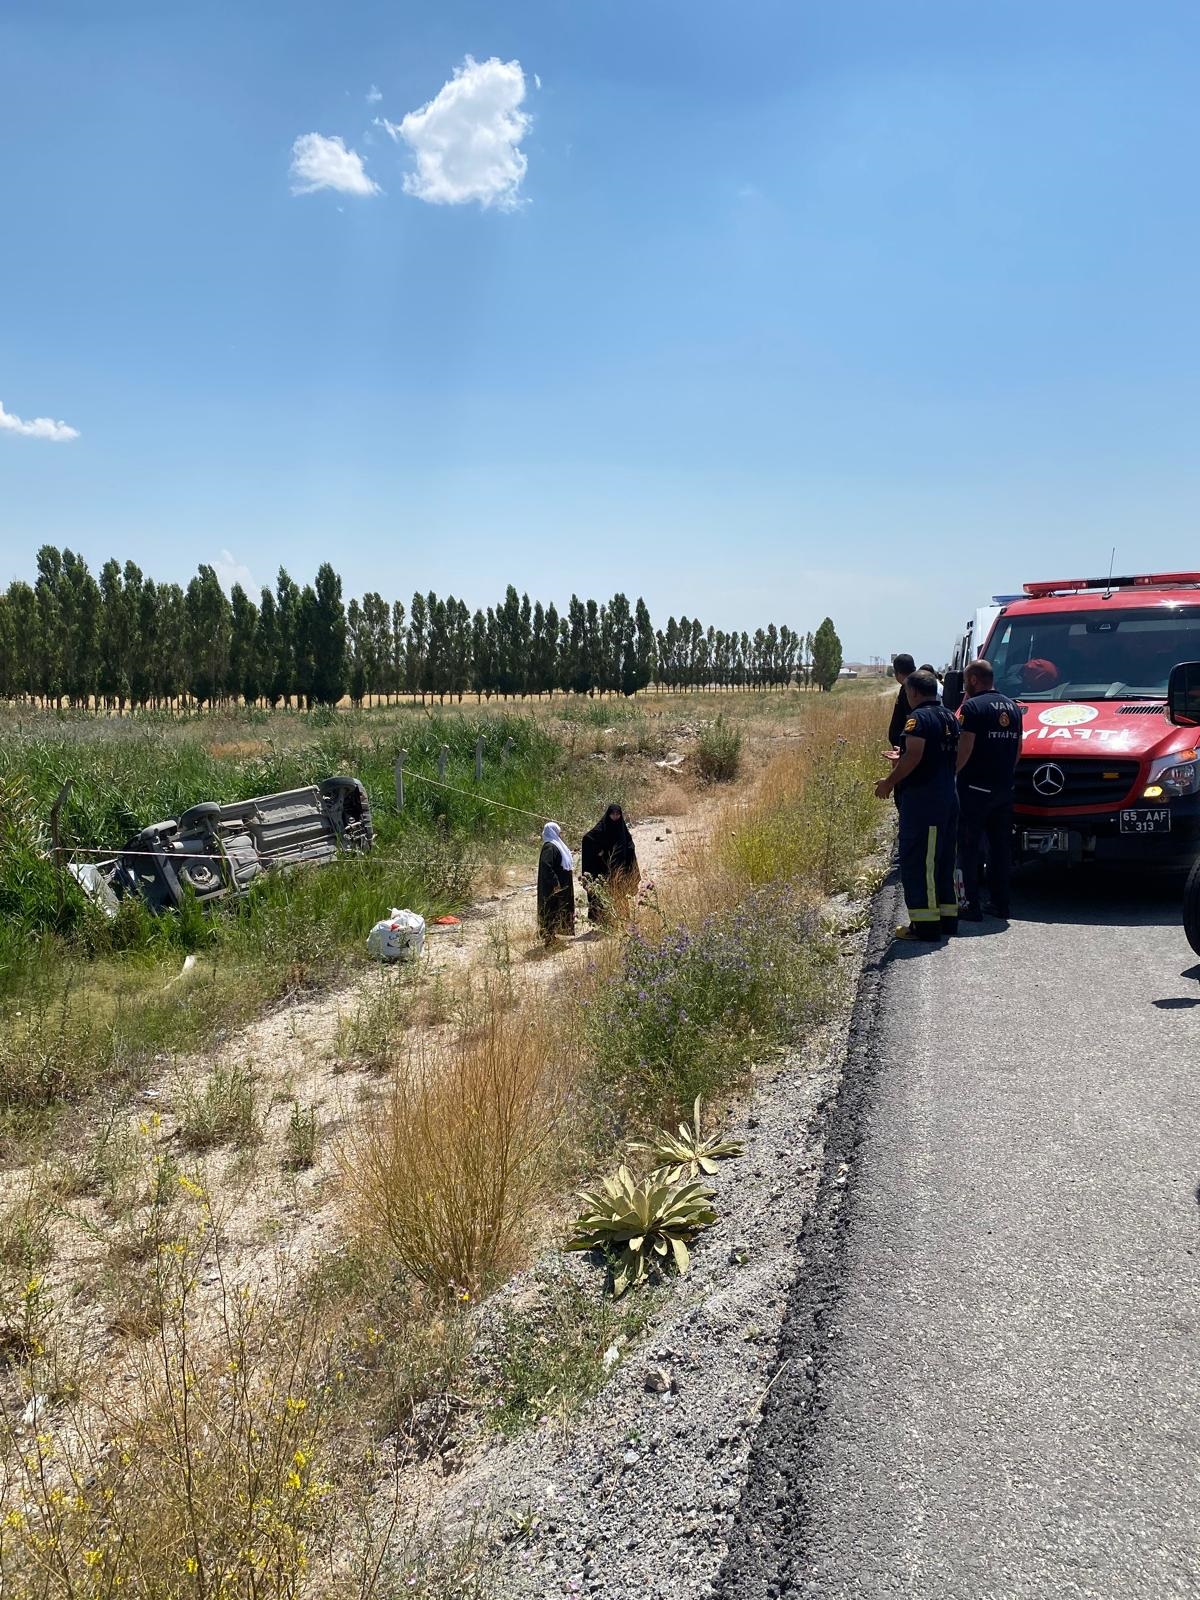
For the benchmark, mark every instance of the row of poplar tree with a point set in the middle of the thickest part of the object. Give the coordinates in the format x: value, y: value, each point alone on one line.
x: 123, y: 640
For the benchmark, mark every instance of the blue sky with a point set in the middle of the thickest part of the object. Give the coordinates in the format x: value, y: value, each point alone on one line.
x: 868, y: 309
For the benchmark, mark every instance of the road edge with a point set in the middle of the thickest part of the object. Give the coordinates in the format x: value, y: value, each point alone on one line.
x: 768, y: 1534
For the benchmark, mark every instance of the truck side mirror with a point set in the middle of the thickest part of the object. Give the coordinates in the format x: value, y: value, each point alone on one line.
x: 1183, y: 694
x: 952, y: 691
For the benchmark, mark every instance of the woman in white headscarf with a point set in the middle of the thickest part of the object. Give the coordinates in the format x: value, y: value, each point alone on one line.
x: 555, y: 886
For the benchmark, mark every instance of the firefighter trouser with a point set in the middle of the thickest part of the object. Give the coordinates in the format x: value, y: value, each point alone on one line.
x: 985, y: 822
x: 928, y: 837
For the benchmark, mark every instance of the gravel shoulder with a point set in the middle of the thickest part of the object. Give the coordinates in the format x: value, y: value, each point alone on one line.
x: 641, y: 1496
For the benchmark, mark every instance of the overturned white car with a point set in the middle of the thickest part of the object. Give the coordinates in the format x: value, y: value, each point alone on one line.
x: 215, y: 852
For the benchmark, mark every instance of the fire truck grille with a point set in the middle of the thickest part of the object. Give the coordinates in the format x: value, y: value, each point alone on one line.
x: 1081, y: 781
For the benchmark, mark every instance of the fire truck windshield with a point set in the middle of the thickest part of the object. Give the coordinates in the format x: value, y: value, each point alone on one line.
x: 1093, y: 655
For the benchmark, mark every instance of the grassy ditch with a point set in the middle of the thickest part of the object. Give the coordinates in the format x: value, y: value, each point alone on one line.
x: 85, y: 1001
x: 255, y: 1451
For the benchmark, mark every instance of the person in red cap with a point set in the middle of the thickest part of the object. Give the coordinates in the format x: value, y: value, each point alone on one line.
x: 1038, y: 674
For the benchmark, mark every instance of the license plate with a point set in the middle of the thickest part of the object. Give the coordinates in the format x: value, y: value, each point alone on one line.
x: 1157, y: 820
x: 1046, y: 840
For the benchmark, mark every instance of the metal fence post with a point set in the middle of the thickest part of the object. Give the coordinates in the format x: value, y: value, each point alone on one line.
x: 400, y: 760
x: 479, y: 744
x: 443, y: 757
x: 509, y: 746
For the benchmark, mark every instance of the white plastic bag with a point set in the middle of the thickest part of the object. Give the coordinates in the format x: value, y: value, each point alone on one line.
x: 400, y: 938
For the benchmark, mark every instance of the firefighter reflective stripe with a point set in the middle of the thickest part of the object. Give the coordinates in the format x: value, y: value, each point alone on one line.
x: 927, y: 838
x: 930, y: 858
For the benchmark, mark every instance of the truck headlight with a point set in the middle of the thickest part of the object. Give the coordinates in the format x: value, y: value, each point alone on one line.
x: 1172, y: 776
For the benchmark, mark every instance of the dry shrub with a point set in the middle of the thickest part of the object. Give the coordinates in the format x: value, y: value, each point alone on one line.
x: 448, y: 1177
x: 666, y: 799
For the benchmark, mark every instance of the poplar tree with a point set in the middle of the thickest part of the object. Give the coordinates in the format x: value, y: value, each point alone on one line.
x: 416, y: 646
x: 267, y: 649
x: 115, y: 642
x: 285, y: 677
x: 145, y: 599
x: 209, y: 625
x: 243, y: 677
x: 328, y: 638
x: 827, y: 656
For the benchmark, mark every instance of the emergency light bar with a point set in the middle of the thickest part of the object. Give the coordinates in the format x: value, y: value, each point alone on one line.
x: 1149, y: 580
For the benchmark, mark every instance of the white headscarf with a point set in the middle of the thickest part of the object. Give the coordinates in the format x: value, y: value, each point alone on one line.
x: 552, y: 834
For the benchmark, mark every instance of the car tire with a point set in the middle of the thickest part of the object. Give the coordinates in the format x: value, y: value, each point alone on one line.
x: 1191, y: 907
x: 201, y: 818
x: 332, y: 786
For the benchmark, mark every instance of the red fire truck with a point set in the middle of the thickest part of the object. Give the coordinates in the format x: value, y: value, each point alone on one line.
x: 1106, y: 771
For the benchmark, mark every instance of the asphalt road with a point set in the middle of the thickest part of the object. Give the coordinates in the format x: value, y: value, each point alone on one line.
x: 991, y: 1378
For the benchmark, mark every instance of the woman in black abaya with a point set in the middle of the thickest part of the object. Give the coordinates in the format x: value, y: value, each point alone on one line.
x: 610, y: 866
x: 555, y: 886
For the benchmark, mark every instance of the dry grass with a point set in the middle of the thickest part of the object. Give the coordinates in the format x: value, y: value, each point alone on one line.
x: 812, y: 814
x: 207, y: 1475
x: 449, y: 1175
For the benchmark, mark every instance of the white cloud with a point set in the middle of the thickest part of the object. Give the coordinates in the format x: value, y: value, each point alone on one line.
x: 230, y: 570
x: 374, y: 94
x: 39, y: 428
x: 321, y: 163
x: 466, y: 140
x: 537, y: 82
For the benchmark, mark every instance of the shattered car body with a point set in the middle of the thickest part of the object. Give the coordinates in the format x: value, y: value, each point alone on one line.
x: 216, y: 852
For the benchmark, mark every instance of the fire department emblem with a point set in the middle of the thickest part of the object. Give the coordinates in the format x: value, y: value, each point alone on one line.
x: 1067, y: 716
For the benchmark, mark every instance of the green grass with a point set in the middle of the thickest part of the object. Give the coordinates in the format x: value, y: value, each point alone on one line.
x: 719, y: 751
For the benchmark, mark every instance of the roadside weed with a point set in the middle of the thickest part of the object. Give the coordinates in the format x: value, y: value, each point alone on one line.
x: 300, y: 1140
x: 688, y: 1153
x: 548, y: 1358
x: 642, y: 1226
x: 223, y: 1110
x: 719, y: 751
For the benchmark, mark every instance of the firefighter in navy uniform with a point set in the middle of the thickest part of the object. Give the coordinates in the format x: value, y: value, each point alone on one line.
x: 988, y: 747
x: 923, y: 781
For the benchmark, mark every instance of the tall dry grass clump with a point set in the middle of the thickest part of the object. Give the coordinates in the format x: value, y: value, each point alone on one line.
x: 449, y: 1176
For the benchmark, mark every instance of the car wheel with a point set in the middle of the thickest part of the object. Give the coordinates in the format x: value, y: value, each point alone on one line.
x: 1191, y: 907
x: 201, y: 818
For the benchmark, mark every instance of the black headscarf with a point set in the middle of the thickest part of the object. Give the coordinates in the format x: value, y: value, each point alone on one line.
x: 609, y: 847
